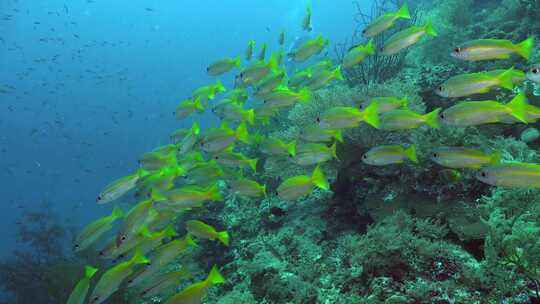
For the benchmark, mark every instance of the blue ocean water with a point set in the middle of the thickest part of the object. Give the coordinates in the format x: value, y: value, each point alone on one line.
x: 86, y: 87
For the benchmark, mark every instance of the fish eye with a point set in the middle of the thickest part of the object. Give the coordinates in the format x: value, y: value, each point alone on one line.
x: 441, y: 116
x: 101, y: 253
x: 535, y: 70
x: 76, y: 246
x: 291, y: 156
x: 363, y: 31
x: 143, y: 292
x: 95, y: 299
x: 98, y: 198
x: 216, y: 157
x: 364, y: 156
x: 440, y: 88
x: 318, y: 119
x: 123, y: 238
x: 457, y: 50
x: 435, y: 155
x: 483, y: 174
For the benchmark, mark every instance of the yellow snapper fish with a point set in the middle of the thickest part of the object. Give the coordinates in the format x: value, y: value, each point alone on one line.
x: 204, y: 173
x: 407, y: 37
x: 111, y: 280
x: 119, y: 187
x: 152, y: 161
x: 205, y: 231
x: 306, y: 22
x: 238, y: 94
x: 263, y: 115
x: 511, y: 175
x: 162, y: 283
x: 314, y: 133
x: 284, y: 97
x: 220, y: 107
x: 188, y: 107
x: 196, y: 292
x: 249, y: 49
x: 269, y: 83
x: 257, y: 71
x: 472, y: 113
x: 161, y: 220
x: 475, y: 83
x: 486, y: 49
x: 320, y: 65
x: 262, y: 52
x: 136, y: 218
x: 314, y: 153
x: 389, y: 154
x: 219, y: 139
x: 277, y: 147
x: 166, y: 149
x: 534, y: 74
x: 348, y: 117
x: 300, y: 78
x: 407, y: 119
x: 235, y: 112
x: 161, y: 257
x: 133, y: 243
x: 228, y: 158
x: 323, y: 78
x: 357, y: 54
x: 295, y: 187
x: 92, y: 232
x: 308, y: 49
x: 281, y: 39
x: 223, y: 66
x: 386, y: 104
x: 386, y: 21
x: 206, y: 93
x: 189, y: 197
x: 247, y: 188
x: 459, y: 157
x: 78, y: 295
x: 186, y: 141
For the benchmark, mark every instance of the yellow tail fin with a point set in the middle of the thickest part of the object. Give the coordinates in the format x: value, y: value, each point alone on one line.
x: 371, y: 116
x: 432, y: 118
x: 89, y: 271
x: 318, y: 179
x: 524, y: 48
x: 223, y: 237
x: 411, y: 153
x: 518, y: 105
x: 215, y: 277
x: 403, y: 12
x: 242, y: 133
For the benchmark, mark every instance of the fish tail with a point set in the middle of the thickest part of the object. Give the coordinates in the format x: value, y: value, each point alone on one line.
x: 524, y: 48
x: 237, y: 61
x: 429, y: 29
x: 432, y: 118
x: 139, y: 258
x: 117, y: 213
x: 337, y: 73
x: 411, y: 153
x: 170, y: 232
x: 219, y: 87
x: 291, y: 148
x: 195, y: 128
x: 214, y: 277
x: 403, y: 12
x: 242, y: 133
x: 89, y: 271
x: 304, y: 95
x: 189, y: 240
x: 333, y: 151
x: 370, y: 47
x: 318, y: 179
x: 518, y: 106
x: 213, y: 193
x: 223, y: 237
x: 250, y: 116
x: 253, y: 164
x: 198, y: 105
x: 338, y: 136
x: 505, y: 79
x: 371, y: 116
x: 495, y: 158
x: 273, y: 63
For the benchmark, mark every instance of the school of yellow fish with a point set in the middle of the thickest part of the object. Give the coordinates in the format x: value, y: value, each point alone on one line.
x: 188, y: 173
